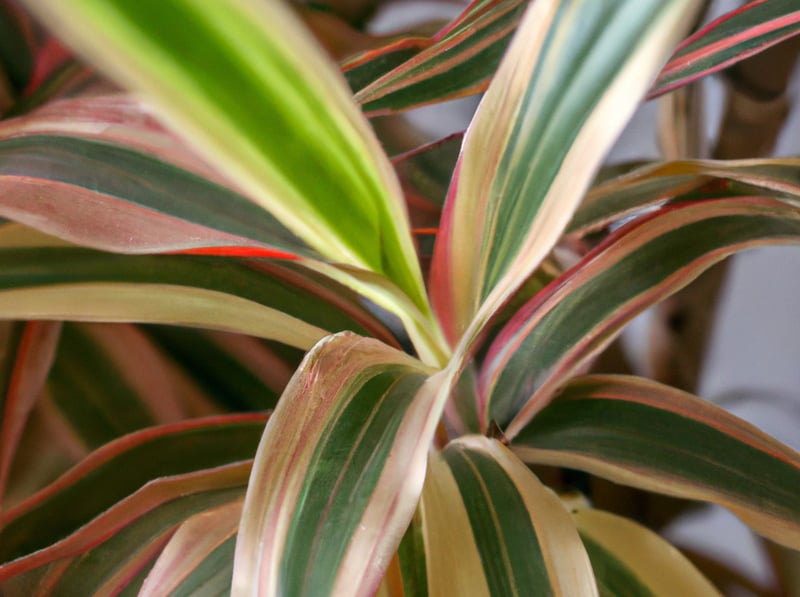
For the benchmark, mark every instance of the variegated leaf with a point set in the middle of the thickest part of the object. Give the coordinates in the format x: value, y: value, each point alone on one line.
x: 567, y: 85
x: 629, y: 559
x: 249, y: 87
x: 585, y: 308
x: 734, y: 36
x: 491, y: 528
x: 654, y: 437
x: 338, y: 472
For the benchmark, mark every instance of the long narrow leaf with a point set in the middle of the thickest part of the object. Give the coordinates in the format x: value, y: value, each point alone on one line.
x: 119, y: 199
x: 109, y: 553
x: 582, y: 310
x: 568, y: 83
x: 261, y: 101
x: 460, y: 62
x: 629, y: 559
x: 113, y: 472
x: 29, y: 354
x: 418, y: 62
x: 338, y: 472
x: 261, y: 298
x: 644, y: 187
x: 117, y: 119
x: 654, y: 437
x: 491, y: 528
x: 732, y: 37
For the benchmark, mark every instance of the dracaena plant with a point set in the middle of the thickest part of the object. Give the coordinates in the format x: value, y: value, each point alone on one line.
x: 277, y: 402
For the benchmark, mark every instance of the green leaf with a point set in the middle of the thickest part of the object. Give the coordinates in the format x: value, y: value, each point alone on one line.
x: 411, y: 559
x: 118, y: 199
x: 261, y: 298
x: 247, y: 85
x: 491, y: 528
x: 654, y: 437
x: 118, y: 119
x: 629, y: 559
x: 38, y: 530
x: 460, y: 62
x: 338, y: 472
x: 567, y: 85
x: 731, y: 38
x: 640, y: 264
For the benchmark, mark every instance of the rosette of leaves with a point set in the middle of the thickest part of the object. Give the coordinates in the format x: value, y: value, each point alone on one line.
x: 235, y: 211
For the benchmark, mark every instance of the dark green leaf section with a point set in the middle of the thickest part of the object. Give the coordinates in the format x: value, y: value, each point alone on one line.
x: 460, y: 63
x: 219, y: 373
x: 614, y: 579
x: 88, y: 389
x: 608, y: 288
x: 16, y: 54
x: 266, y: 282
x: 67, y: 80
x: 730, y: 39
x: 212, y: 576
x: 341, y: 478
x: 362, y: 69
x: 413, y: 566
x: 176, y: 450
x: 425, y: 175
x: 582, y: 54
x: 139, y: 181
x: 509, y: 550
x: 665, y: 444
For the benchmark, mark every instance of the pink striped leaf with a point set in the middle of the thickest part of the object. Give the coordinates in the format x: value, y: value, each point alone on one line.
x: 264, y: 105
x: 116, y: 550
x: 580, y: 312
x: 279, y: 300
x: 460, y: 60
x: 234, y: 372
x: 108, y: 380
x: 62, y: 172
x: 118, y: 482
x: 567, y: 85
x: 151, y: 195
x: 731, y: 38
x: 619, y: 197
x: 421, y: 74
x: 338, y: 472
x: 647, y: 435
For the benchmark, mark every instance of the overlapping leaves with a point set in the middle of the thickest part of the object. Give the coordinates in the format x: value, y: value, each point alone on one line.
x: 262, y: 103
